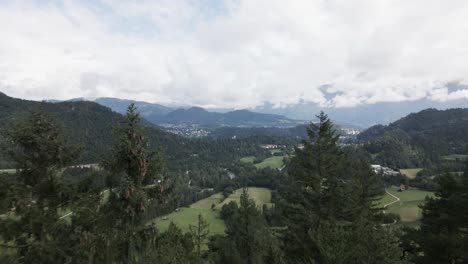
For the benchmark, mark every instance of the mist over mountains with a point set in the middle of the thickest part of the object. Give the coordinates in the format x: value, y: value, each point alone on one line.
x: 363, y: 115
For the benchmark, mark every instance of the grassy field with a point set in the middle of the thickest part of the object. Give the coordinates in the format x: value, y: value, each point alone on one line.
x: 261, y: 196
x: 249, y: 159
x: 189, y: 216
x: 9, y: 171
x: 453, y: 157
x: 386, y: 199
x: 408, y: 207
x: 410, y: 173
x: 274, y: 162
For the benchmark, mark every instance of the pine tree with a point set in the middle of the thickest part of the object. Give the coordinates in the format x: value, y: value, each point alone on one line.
x: 316, y: 191
x: 173, y: 246
x: 136, y: 189
x: 318, y: 168
x: 35, y: 229
x: 364, y: 190
x: 332, y: 208
x: 442, y: 236
x: 200, y: 234
x: 247, y: 238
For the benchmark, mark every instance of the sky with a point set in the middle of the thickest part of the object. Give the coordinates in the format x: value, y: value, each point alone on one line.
x: 235, y: 53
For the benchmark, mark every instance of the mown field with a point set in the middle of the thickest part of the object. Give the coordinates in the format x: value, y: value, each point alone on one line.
x: 189, y: 215
x: 274, y: 162
x: 454, y: 157
x: 9, y: 171
x: 249, y: 159
x: 410, y: 173
x: 408, y: 206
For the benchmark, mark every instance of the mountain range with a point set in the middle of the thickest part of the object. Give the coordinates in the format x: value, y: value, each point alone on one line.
x: 408, y: 142
x: 361, y: 116
x: 163, y: 115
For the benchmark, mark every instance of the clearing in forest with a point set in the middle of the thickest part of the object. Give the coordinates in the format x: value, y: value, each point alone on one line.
x: 274, y: 162
x: 410, y: 173
x: 453, y: 157
x: 248, y: 159
x: 408, y: 206
x: 189, y: 215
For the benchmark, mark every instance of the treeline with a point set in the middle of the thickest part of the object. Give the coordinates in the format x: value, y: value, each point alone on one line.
x: 297, y: 132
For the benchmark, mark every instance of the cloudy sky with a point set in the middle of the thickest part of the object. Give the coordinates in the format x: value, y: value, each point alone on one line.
x: 235, y: 53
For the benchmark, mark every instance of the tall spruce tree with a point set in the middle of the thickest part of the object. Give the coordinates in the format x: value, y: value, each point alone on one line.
x: 363, y: 190
x: 200, y: 234
x: 35, y: 230
x: 318, y: 169
x: 173, y: 246
x: 315, y: 189
x: 442, y: 236
x: 136, y: 189
x: 331, y: 212
x: 247, y: 238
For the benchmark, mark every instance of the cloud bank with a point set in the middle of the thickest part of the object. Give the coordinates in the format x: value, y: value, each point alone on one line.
x: 235, y: 53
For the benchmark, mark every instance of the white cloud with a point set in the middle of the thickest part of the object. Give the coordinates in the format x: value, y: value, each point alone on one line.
x: 235, y: 53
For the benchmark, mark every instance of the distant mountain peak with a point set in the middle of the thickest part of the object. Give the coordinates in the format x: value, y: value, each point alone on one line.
x: 159, y: 114
x: 197, y: 109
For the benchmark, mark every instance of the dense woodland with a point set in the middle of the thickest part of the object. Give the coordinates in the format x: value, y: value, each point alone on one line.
x: 419, y: 139
x: 325, y: 199
x: 92, y: 128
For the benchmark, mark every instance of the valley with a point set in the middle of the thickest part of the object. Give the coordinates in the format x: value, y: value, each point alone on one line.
x: 195, y: 175
x: 233, y: 132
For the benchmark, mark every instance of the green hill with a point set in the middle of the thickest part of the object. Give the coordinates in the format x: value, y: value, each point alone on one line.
x: 87, y: 124
x: 203, y: 161
x: 418, y: 139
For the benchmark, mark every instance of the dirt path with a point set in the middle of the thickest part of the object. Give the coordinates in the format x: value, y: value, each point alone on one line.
x: 396, y: 199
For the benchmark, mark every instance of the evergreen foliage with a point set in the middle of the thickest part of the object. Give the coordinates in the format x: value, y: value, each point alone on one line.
x: 200, y: 234
x: 442, y: 237
x: 247, y: 238
x: 330, y: 211
x: 325, y: 206
x: 34, y: 229
x: 419, y: 139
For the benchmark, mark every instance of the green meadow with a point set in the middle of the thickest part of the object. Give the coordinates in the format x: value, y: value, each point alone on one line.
x: 408, y: 206
x: 274, y: 162
x: 454, y: 157
x: 189, y: 215
x: 410, y: 173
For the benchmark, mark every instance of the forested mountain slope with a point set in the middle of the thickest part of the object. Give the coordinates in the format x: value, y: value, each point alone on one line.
x: 419, y: 138
x: 92, y: 126
x: 87, y: 124
x: 200, y: 116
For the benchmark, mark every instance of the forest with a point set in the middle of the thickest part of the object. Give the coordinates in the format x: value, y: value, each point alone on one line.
x: 325, y: 203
